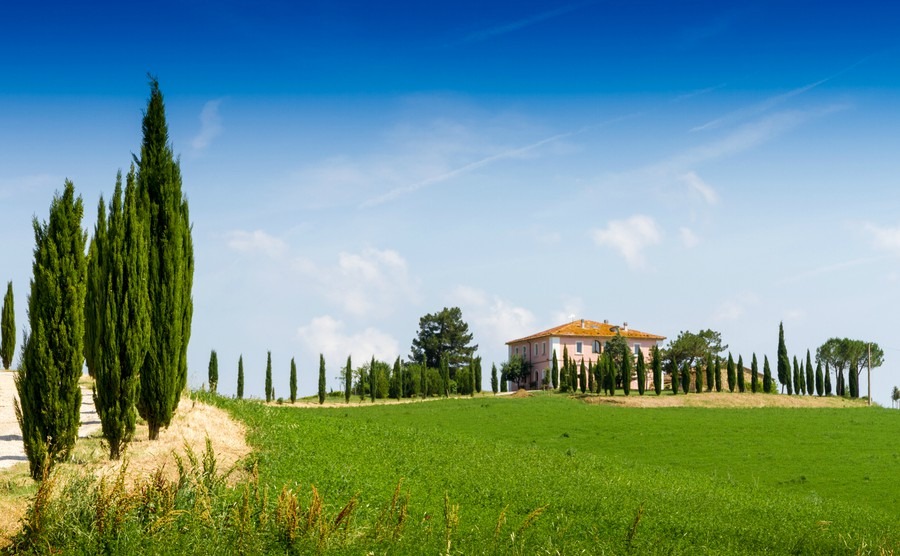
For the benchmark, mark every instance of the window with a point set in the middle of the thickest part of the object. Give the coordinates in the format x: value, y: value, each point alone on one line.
x: 544, y: 349
x: 517, y: 351
x: 535, y: 348
x: 578, y: 347
x: 596, y: 346
x: 637, y: 348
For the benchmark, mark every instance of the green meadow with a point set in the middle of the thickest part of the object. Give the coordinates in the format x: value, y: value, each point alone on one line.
x: 601, y: 479
x: 546, y: 474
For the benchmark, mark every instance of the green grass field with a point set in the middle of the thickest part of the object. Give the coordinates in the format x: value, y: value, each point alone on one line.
x: 608, y: 479
x: 548, y: 474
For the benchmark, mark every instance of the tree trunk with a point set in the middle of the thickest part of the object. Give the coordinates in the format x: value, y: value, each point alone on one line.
x: 154, y: 431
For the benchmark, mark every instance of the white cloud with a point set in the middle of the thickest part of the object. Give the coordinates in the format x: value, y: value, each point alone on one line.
x: 494, y: 320
x: 734, y: 309
x: 573, y: 307
x: 370, y: 283
x: 256, y: 241
x: 697, y: 185
x: 688, y: 238
x: 210, y: 125
x: 326, y: 335
x: 884, y: 238
x: 630, y: 237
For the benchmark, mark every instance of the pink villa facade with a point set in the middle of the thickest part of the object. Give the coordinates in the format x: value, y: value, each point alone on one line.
x: 584, y: 339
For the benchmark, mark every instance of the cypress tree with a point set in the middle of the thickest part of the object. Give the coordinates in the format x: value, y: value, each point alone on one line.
x: 827, y: 380
x: 348, y: 380
x: 321, y: 379
x: 49, y: 404
x: 8, y: 326
x: 503, y: 386
x: 423, y: 382
x: 117, y: 317
x: 797, y: 376
x: 372, y: 379
x: 398, y: 371
x: 270, y: 391
x: 656, y: 365
x: 494, y: 383
x: 213, y: 372
x: 673, y: 371
x: 731, y: 373
x: 685, y: 377
x: 820, y: 385
x: 293, y: 381
x: 717, y: 371
x: 698, y: 378
x: 240, y: 379
x: 582, y: 377
x: 478, y: 374
x: 611, y: 374
x: 554, y: 371
x: 626, y: 373
x: 564, y: 377
x: 768, y: 387
x: 784, y: 364
x: 641, y: 373
x: 445, y: 377
x: 710, y: 379
x: 754, y: 375
x: 740, y: 375
x: 810, y: 375
x: 171, y: 269
x: 853, y: 378
x: 472, y: 377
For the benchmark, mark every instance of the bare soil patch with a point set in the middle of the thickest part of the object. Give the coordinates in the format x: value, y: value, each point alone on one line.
x: 723, y: 400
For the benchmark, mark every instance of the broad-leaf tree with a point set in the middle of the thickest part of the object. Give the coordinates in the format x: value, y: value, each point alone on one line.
x: 443, y: 334
x: 49, y: 406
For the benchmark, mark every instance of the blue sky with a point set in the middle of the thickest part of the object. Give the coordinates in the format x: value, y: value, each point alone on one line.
x: 353, y: 166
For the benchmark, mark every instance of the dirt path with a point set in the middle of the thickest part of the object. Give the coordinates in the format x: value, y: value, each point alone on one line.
x: 11, y: 449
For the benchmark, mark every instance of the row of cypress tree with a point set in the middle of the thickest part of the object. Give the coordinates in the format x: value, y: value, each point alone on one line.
x: 125, y: 309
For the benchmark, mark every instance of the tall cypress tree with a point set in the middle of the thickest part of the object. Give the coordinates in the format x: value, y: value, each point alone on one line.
x: 626, y: 373
x: 754, y: 375
x: 213, y: 371
x: 8, y: 326
x: 398, y: 370
x: 710, y: 369
x: 321, y: 379
x: 827, y: 380
x: 117, y: 316
x: 611, y: 372
x: 797, y: 376
x: 641, y: 373
x: 423, y: 380
x: 731, y: 376
x: 472, y: 379
x: 656, y: 365
x: 673, y: 372
x: 768, y: 387
x: 820, y: 384
x: 554, y: 370
x: 740, y: 375
x: 582, y: 377
x: 494, y: 383
x: 564, y: 374
x: 784, y: 364
x: 49, y: 404
x: 686, y: 377
x: 292, y: 385
x: 348, y: 380
x: 503, y: 382
x: 445, y: 377
x: 270, y: 391
x: 171, y: 269
x: 478, y: 374
x: 717, y: 372
x: 810, y: 375
x: 853, y: 378
x: 698, y: 378
x: 240, y: 379
x: 372, y: 379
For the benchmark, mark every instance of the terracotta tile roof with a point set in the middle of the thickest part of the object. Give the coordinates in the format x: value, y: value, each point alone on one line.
x: 590, y: 328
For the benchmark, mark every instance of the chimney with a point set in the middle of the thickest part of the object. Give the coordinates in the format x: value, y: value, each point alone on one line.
x: 625, y: 326
x: 605, y: 321
x: 582, y: 323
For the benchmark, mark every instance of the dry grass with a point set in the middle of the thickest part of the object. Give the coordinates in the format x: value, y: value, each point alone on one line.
x: 722, y: 400
x: 193, y: 423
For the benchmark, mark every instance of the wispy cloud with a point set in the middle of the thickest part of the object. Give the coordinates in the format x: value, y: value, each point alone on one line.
x: 444, y: 176
x: 257, y: 241
x: 494, y: 319
x: 328, y: 336
x: 630, y: 237
x: 210, y: 125
x: 700, y: 187
x: 688, y: 238
x: 832, y: 268
x: 883, y: 238
x: 735, y: 308
x: 515, y: 25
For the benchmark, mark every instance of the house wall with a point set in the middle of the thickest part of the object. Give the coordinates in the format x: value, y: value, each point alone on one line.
x: 542, y: 360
